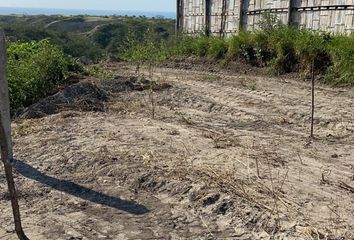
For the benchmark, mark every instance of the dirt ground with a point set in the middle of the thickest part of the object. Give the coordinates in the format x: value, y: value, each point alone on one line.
x: 206, y: 156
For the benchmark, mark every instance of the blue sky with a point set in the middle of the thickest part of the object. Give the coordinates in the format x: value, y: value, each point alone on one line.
x: 139, y: 5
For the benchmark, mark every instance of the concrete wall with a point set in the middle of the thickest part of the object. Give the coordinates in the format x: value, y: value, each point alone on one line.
x: 223, y: 17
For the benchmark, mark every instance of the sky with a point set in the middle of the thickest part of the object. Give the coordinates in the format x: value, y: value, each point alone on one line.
x: 136, y: 5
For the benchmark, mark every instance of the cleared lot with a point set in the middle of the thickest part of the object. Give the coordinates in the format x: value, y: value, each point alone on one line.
x: 203, y: 156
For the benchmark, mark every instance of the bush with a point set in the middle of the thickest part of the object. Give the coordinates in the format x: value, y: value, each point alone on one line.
x: 35, y: 70
x: 282, y: 43
x: 262, y: 50
x: 217, y: 48
x: 241, y: 45
x: 181, y: 46
x: 200, y: 46
x: 281, y: 48
x: 310, y: 48
x: 341, y: 51
x: 145, y: 51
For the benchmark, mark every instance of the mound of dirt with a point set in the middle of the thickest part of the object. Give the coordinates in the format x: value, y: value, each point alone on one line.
x: 83, y: 96
x: 86, y: 96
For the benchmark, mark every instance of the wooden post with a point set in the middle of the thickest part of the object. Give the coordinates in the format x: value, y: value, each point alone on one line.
x: 207, y: 15
x: 312, y: 98
x: 5, y: 138
x: 290, y: 12
x: 240, y: 25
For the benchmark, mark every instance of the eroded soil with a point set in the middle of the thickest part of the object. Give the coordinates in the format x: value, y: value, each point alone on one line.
x: 207, y: 156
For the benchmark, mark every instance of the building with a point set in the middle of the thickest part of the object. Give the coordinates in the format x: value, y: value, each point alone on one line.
x: 224, y: 17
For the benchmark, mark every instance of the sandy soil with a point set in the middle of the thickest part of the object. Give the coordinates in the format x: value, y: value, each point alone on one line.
x: 215, y: 156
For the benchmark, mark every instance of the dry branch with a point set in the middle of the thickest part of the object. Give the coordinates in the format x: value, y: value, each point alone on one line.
x: 345, y: 186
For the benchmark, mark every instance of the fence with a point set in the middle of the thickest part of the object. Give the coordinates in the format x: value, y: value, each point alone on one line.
x: 223, y: 17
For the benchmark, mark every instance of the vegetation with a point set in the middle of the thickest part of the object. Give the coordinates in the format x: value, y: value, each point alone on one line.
x: 85, y: 36
x: 341, y: 51
x: 42, y: 50
x: 281, y: 49
x: 35, y: 70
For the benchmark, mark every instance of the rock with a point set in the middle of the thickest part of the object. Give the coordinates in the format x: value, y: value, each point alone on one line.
x: 193, y: 196
x: 211, y: 199
x: 223, y: 207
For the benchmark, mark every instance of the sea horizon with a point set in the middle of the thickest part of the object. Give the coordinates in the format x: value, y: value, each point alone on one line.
x: 90, y: 12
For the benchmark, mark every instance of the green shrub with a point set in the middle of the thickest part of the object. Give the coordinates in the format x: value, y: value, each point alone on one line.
x: 146, y: 51
x: 241, y: 45
x: 341, y: 51
x: 181, y: 46
x: 282, y: 43
x: 200, y: 46
x: 35, y: 70
x: 310, y: 48
x: 217, y: 48
x: 262, y: 50
x: 281, y: 48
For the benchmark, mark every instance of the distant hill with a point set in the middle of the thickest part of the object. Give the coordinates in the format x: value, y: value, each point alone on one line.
x: 85, y: 35
x: 71, y: 12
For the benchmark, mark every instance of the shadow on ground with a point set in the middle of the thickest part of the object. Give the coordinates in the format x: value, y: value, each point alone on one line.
x: 79, y: 191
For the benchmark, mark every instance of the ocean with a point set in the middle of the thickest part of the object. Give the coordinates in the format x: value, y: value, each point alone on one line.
x: 70, y: 12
